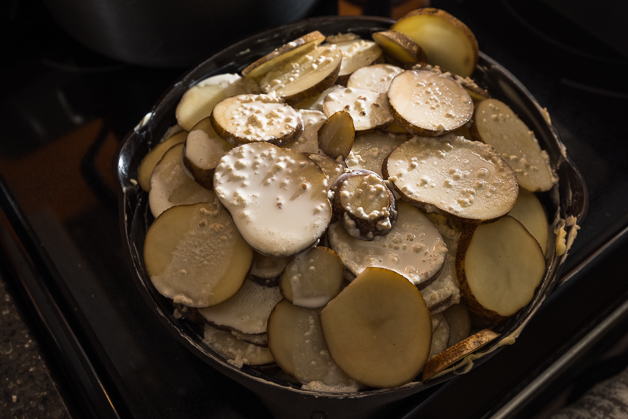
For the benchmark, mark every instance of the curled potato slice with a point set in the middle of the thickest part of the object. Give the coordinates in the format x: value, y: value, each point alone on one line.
x: 195, y: 255
x: 148, y: 163
x: 336, y: 135
x: 399, y: 47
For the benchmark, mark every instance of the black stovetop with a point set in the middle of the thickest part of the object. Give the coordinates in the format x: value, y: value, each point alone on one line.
x: 65, y: 110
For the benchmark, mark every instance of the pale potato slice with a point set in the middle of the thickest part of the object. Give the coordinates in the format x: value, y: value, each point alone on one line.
x: 447, y: 42
x: 456, y: 177
x: 477, y: 93
x: 529, y: 211
x: 356, y: 54
x: 266, y: 269
x: 330, y: 167
x: 237, y: 352
x: 195, y: 255
x: 378, y: 329
x: 247, y: 311
x: 260, y: 339
x: 203, y: 149
x: 277, y: 197
x: 497, y: 125
x: 455, y: 353
x: 499, y: 266
x: 312, y: 278
x: 401, y: 48
x: 336, y: 135
x: 459, y: 323
x: 281, y: 55
x: 305, y: 76
x: 370, y: 149
x: 199, y: 100
x: 315, y: 103
x: 425, y: 103
x: 256, y: 118
x: 375, y: 77
x: 170, y: 185
x: 364, y: 203
x: 440, y: 338
x: 308, y: 142
x: 296, y: 341
x: 148, y: 163
x: 367, y: 108
x: 413, y: 248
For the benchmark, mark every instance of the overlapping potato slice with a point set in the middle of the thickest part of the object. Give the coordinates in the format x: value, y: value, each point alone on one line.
x: 375, y: 77
x: 266, y: 269
x: 305, y: 76
x: 259, y: 339
x: 370, y: 149
x: 425, y: 103
x: 447, y: 42
x: 312, y: 278
x: 440, y: 337
x: 367, y: 108
x: 454, y: 176
x: 336, y: 135
x: 195, y: 255
x: 315, y: 103
x: 277, y: 197
x: 356, y: 54
x: 170, y: 185
x: 237, y: 352
x: 364, y: 203
x: 529, y: 211
x: 198, y: 101
x: 148, y: 163
x: 308, y: 142
x: 413, y: 248
x: 497, y: 125
x: 459, y: 323
x: 256, y: 118
x: 203, y: 149
x: 296, y: 342
x: 499, y: 266
x: 247, y: 311
x: 330, y: 167
x: 399, y: 47
x: 455, y: 353
x: 378, y: 329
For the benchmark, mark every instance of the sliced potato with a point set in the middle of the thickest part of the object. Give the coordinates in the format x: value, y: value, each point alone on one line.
x: 455, y: 353
x: 330, y: 167
x: 375, y: 77
x: 259, y: 339
x: 247, y: 311
x: 456, y: 177
x: 308, y: 142
x: 497, y: 125
x: 286, y: 52
x: 459, y: 323
x: 312, y: 278
x: 529, y: 211
x: 425, y: 103
x: 413, y: 248
x: 305, y: 76
x: 277, y: 197
x: 203, y: 149
x: 195, y: 255
x: 148, y: 163
x: 315, y: 103
x: 367, y: 108
x: 447, y: 42
x: 440, y: 338
x: 296, y: 341
x: 378, y: 329
x: 198, y: 101
x: 266, y: 269
x: 356, y: 54
x: 336, y: 135
x: 499, y: 266
x: 170, y: 185
x: 237, y: 352
x: 253, y: 118
x: 370, y: 149
x: 400, y: 47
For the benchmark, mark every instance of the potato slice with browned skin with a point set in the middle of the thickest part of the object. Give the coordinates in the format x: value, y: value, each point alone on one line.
x: 453, y: 176
x: 425, y: 103
x: 336, y: 135
x: 497, y: 125
x: 529, y: 211
x: 378, y: 329
x: 148, y: 163
x: 367, y: 108
x: 371, y: 148
x: 171, y: 185
x: 400, y: 47
x: 312, y: 278
x: 364, y: 203
x: 455, y: 353
x: 447, y: 42
x: 357, y: 54
x: 234, y: 350
x: 203, y: 149
x: 195, y: 255
x: 499, y: 267
x: 256, y: 118
x: 277, y: 197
